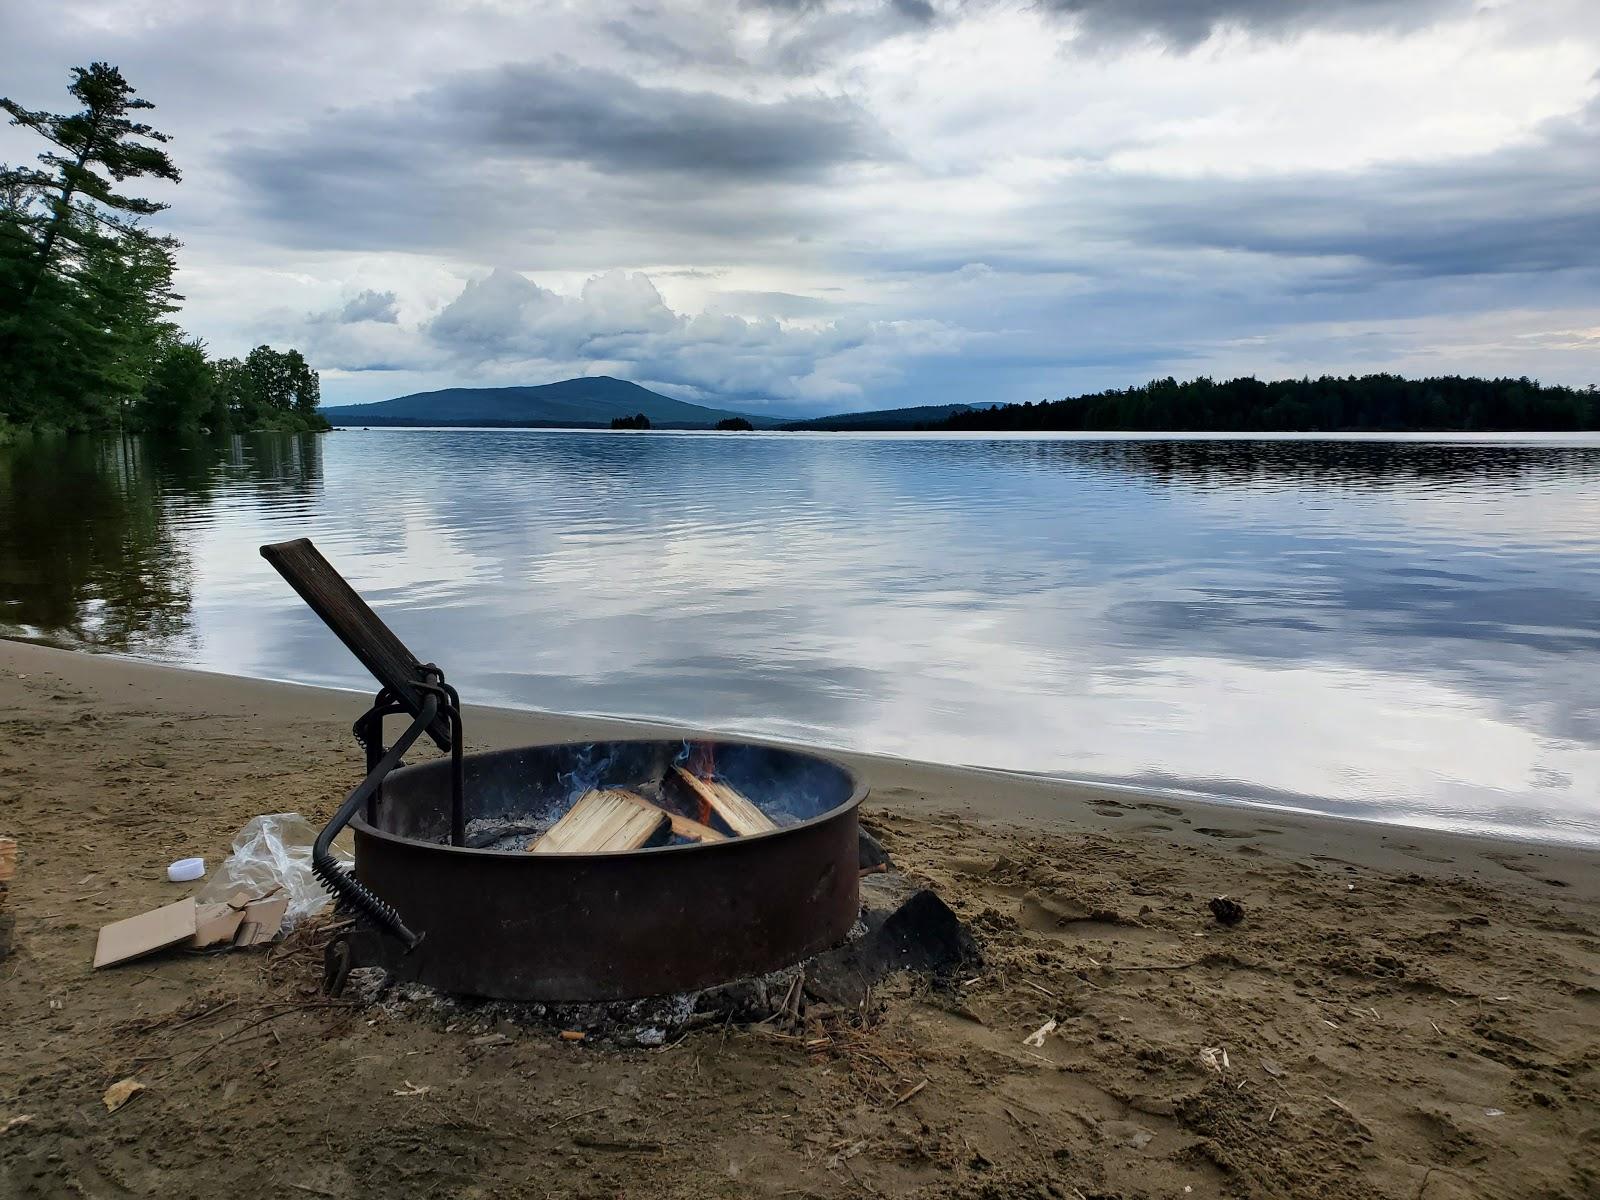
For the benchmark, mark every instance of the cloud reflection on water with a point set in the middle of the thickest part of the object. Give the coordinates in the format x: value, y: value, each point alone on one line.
x: 1395, y: 630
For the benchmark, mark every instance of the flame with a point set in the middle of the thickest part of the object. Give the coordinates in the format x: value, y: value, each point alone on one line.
x: 700, y: 760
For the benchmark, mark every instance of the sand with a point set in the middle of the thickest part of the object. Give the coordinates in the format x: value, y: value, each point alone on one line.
x: 1404, y: 1014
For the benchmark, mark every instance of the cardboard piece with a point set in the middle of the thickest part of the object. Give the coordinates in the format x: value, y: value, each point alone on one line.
x: 123, y: 941
x: 262, y: 919
x: 216, y: 923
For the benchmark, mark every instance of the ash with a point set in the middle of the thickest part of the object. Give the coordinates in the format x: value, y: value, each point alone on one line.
x: 506, y: 833
x: 648, y: 1022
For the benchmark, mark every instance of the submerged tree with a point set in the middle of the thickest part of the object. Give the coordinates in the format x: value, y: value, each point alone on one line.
x: 84, y: 286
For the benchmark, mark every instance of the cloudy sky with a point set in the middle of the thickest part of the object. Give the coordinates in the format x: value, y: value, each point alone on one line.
x: 824, y: 205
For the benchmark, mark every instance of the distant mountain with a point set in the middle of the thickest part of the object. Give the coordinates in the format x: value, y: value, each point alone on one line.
x: 883, y: 419
x: 591, y: 400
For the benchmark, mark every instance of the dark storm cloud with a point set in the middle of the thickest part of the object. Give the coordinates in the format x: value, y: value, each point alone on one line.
x: 1520, y: 210
x: 1180, y: 23
x: 544, y: 154
x: 1186, y: 23
x: 614, y: 124
x: 919, y: 11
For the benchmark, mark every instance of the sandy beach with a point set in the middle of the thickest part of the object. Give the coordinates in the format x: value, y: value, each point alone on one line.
x: 1403, y: 1013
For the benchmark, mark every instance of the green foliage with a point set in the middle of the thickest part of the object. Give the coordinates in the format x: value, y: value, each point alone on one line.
x: 735, y: 425
x: 1329, y: 404
x: 86, y: 288
x: 267, y: 390
x: 178, y: 392
x: 637, y: 421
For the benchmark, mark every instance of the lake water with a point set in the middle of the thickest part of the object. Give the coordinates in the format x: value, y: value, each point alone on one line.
x: 1401, y: 630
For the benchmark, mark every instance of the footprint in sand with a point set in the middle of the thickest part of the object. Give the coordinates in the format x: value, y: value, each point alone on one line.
x: 1152, y: 806
x: 1511, y: 862
x: 1422, y: 855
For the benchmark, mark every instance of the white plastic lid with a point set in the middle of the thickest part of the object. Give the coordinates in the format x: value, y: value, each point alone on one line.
x: 186, y: 869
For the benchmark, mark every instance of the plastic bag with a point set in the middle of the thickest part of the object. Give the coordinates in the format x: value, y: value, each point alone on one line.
x: 274, y: 851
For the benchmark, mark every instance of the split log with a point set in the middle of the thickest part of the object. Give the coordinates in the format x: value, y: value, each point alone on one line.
x: 602, y: 821
x: 684, y: 827
x: 741, y: 816
x: 688, y: 827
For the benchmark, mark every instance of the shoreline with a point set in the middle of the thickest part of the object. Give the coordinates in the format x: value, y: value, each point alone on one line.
x: 1400, y: 1015
x: 985, y: 794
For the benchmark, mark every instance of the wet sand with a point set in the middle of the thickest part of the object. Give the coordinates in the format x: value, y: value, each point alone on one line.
x: 1404, y: 1013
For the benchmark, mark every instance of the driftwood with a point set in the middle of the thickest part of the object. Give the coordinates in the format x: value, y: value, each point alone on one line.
x: 721, y: 800
x: 602, y: 821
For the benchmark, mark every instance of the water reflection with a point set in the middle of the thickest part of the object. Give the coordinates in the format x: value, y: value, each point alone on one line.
x: 1404, y: 630
x: 94, y: 551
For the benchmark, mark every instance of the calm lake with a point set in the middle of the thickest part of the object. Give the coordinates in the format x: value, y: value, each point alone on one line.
x: 1407, y: 631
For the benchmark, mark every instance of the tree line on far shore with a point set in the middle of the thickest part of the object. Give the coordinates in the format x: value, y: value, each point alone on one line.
x: 1331, y: 404
x: 86, y: 289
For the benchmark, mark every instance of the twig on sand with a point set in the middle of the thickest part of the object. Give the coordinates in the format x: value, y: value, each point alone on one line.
x: 283, y: 1011
x: 201, y: 1016
x: 908, y: 1094
x: 571, y: 1117
x: 626, y: 1145
x: 315, y: 1191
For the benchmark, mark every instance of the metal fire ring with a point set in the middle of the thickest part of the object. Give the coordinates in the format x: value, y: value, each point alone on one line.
x: 612, y: 926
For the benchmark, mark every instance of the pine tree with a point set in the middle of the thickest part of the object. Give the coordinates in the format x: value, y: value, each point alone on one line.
x: 84, y: 286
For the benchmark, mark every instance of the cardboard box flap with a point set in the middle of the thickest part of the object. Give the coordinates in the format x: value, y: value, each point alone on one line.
x: 122, y: 941
x: 262, y: 921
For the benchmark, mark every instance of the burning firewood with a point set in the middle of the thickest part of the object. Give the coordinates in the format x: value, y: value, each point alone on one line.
x: 683, y: 826
x: 602, y: 821
x: 688, y: 827
x: 719, y: 799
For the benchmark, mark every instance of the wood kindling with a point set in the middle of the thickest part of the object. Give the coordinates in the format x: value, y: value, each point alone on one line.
x: 603, y: 820
x: 726, y: 803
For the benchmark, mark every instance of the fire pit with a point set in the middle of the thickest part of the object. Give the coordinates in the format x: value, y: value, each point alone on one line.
x: 579, y: 872
x: 677, y: 915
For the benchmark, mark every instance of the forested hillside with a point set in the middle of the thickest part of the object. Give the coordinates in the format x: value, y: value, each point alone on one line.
x: 1329, y: 404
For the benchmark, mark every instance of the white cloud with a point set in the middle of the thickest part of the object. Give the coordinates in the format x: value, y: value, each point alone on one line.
x: 505, y: 328
x: 853, y: 203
